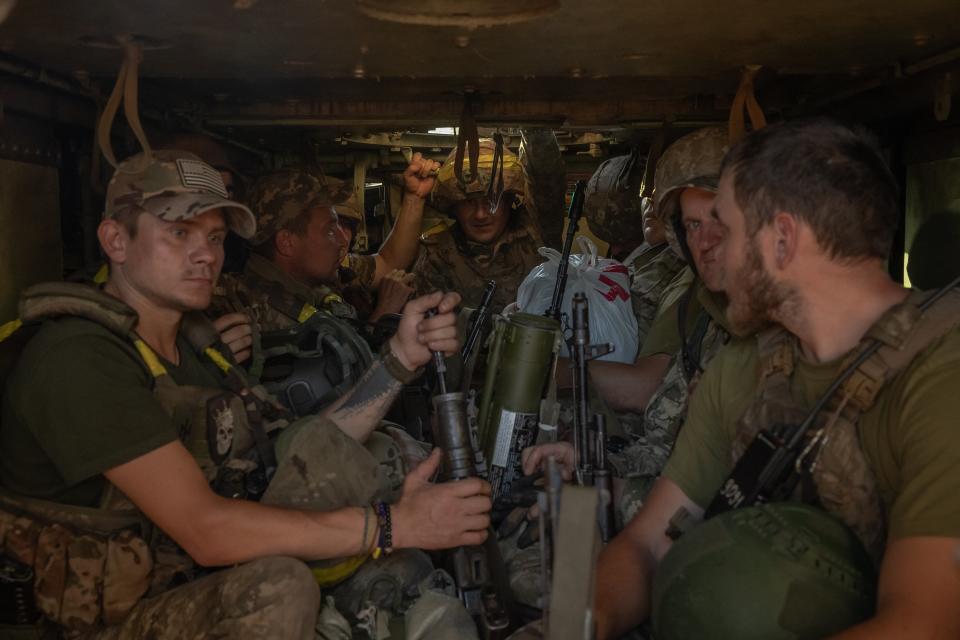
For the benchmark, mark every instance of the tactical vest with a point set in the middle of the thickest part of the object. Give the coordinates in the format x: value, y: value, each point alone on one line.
x: 92, y: 565
x: 842, y: 479
x: 310, y: 363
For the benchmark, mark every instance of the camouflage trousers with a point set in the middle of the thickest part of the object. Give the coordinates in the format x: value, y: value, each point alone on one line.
x: 319, y: 468
x: 274, y: 597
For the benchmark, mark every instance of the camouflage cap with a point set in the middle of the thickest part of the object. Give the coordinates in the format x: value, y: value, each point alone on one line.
x: 342, y: 196
x: 278, y: 198
x: 174, y: 185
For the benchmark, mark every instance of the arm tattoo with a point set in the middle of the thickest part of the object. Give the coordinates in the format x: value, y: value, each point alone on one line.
x: 366, y: 404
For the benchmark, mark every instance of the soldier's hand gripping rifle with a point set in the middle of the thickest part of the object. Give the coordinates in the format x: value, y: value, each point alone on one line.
x: 589, y: 431
x: 471, y: 565
x: 573, y: 220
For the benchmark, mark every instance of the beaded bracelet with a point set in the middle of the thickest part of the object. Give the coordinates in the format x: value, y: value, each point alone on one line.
x: 385, y: 540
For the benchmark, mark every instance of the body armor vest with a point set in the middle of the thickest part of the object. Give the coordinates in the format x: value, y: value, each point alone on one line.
x: 835, y: 470
x: 92, y: 565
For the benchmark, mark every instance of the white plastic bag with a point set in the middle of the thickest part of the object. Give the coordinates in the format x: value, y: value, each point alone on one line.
x: 605, y: 282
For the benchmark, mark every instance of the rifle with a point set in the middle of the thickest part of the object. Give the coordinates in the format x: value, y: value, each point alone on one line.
x: 589, y: 444
x: 478, y: 321
x: 573, y: 219
x: 471, y: 566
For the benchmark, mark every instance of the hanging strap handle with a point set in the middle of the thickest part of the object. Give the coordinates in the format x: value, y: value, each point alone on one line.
x: 495, y: 188
x: 468, y: 141
x: 126, y: 90
x: 746, y: 100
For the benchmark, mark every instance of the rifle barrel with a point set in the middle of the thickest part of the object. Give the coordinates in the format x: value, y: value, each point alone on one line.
x: 573, y: 219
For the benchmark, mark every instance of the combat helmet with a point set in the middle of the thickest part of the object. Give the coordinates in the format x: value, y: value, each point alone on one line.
x: 310, y: 365
x: 692, y: 161
x: 612, y: 204
x: 778, y: 571
x: 484, y: 180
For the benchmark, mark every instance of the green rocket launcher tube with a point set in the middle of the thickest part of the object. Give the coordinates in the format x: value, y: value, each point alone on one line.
x: 520, y: 361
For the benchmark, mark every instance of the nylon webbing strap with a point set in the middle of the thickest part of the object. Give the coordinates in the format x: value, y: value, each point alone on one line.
x: 150, y: 359
x: 9, y: 328
x: 468, y: 141
x: 125, y: 90
x: 746, y: 100
x: 495, y: 188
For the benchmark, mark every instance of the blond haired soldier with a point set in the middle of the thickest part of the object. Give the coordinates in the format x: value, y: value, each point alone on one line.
x: 135, y: 454
x: 496, y: 232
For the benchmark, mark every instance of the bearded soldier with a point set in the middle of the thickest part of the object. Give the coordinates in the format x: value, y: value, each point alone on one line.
x: 496, y: 232
x: 849, y: 377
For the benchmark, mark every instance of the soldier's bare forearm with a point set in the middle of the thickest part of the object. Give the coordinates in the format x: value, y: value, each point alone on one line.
x: 360, y: 410
x: 400, y: 248
x: 624, y: 574
x: 624, y: 387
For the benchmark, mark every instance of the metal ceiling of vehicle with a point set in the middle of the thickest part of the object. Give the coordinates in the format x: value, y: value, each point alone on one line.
x: 270, y: 73
x: 244, y: 39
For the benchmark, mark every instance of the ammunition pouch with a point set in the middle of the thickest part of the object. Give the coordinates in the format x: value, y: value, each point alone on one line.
x: 90, y: 566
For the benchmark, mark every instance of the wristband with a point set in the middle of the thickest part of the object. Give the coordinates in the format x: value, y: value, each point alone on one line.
x: 396, y: 368
x: 385, y: 542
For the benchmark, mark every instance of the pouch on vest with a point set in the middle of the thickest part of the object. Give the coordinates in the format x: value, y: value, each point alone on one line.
x: 89, y: 566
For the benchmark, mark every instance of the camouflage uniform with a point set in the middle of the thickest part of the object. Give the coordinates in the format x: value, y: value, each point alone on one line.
x: 273, y: 299
x: 614, y: 210
x: 450, y: 262
x: 692, y: 161
x: 319, y: 467
x: 650, y: 273
x: 641, y: 462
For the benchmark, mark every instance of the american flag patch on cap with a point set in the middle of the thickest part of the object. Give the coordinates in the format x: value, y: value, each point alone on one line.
x: 195, y: 174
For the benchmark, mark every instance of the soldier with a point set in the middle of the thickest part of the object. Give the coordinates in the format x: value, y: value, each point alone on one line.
x: 802, y: 205
x: 651, y: 394
x: 125, y: 421
x: 637, y: 236
x: 299, y: 248
x: 394, y: 289
x: 686, y: 179
x: 497, y: 232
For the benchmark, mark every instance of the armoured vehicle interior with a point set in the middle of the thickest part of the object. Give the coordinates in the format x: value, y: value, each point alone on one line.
x: 348, y: 86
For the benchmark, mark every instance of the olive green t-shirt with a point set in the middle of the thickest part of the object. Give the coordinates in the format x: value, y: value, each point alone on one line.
x: 80, y: 402
x: 910, y: 437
